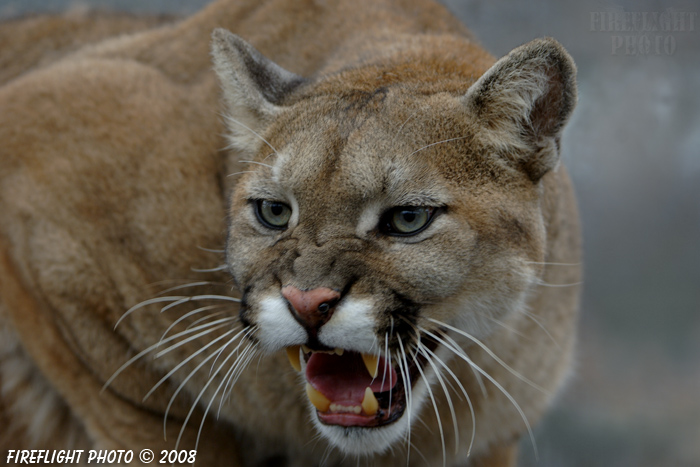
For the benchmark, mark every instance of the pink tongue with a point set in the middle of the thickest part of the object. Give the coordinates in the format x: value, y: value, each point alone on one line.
x: 343, y: 379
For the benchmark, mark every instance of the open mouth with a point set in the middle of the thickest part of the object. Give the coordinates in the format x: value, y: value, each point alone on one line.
x: 354, y: 389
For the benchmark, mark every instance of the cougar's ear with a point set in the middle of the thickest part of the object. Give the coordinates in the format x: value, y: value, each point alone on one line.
x: 523, y: 103
x: 253, y: 87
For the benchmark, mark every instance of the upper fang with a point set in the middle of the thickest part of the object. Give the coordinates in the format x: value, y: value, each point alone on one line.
x: 371, y: 363
x: 293, y: 356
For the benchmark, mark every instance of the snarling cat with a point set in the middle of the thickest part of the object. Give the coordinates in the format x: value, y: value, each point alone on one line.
x: 399, y: 256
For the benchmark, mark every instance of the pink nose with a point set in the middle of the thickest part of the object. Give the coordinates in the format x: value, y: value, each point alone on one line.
x: 312, y: 307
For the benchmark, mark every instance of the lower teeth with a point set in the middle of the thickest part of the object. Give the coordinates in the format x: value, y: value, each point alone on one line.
x: 346, y: 409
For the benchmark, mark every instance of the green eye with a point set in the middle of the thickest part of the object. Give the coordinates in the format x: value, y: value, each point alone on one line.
x: 406, y: 220
x: 273, y: 214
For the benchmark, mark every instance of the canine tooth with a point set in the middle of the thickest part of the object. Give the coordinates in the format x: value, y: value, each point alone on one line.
x: 370, y: 404
x: 305, y: 349
x: 293, y: 356
x: 372, y: 364
x: 318, y: 400
x: 338, y: 351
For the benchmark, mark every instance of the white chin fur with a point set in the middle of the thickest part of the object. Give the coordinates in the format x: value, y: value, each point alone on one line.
x: 362, y: 441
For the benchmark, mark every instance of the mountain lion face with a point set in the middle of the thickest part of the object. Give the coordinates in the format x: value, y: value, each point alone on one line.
x: 386, y: 220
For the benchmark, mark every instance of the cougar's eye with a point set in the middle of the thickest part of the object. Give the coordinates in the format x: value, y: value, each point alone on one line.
x: 273, y: 214
x: 406, y: 220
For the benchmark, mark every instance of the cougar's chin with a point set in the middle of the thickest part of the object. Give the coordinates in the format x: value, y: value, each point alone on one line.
x: 362, y: 441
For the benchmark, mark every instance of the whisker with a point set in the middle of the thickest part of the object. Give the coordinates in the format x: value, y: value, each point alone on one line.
x: 197, y: 298
x: 199, y: 397
x: 538, y: 323
x: 375, y: 343
x: 158, y: 344
x: 144, y: 304
x: 257, y: 163
x: 546, y: 263
x: 327, y: 452
x: 240, y: 173
x: 420, y: 454
x: 435, y: 408
x: 419, y: 347
x: 188, y: 359
x: 175, y: 304
x: 168, y: 281
x: 231, y: 371
x: 223, y: 267
x: 508, y: 328
x: 224, y: 298
x: 312, y: 444
x: 229, y: 118
x: 182, y: 385
x: 391, y: 335
x: 461, y: 387
x: 187, y: 315
x: 476, y: 374
x: 240, y: 356
x: 211, y: 368
x: 461, y: 354
x: 213, y: 398
x: 208, y: 317
x: 187, y: 286
x: 491, y: 354
x: 179, y: 299
x: 210, y: 250
x: 403, y: 367
x: 425, y: 426
x: 418, y: 330
x: 197, y: 336
x: 386, y: 354
x: 424, y: 350
x: 400, y: 130
x: 245, y: 358
x: 546, y: 284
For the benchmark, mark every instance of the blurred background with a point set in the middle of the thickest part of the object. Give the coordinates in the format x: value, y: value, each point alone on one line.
x: 633, y: 150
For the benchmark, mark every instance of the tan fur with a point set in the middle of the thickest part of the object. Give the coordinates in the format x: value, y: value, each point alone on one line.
x: 112, y: 174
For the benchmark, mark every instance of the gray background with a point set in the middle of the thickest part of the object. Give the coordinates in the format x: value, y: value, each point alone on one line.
x: 633, y: 149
